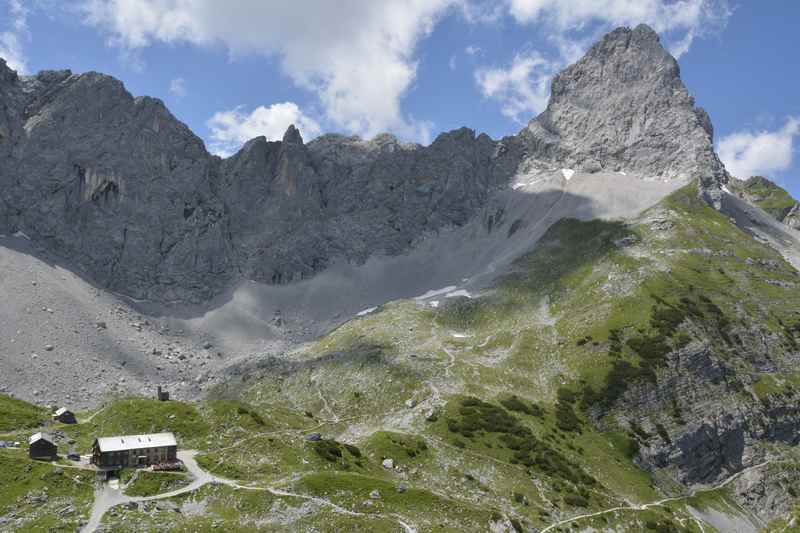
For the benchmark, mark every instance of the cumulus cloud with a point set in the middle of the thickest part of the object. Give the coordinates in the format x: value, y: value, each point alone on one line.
x: 357, y: 56
x: 748, y: 153
x: 177, y: 87
x: 230, y: 129
x: 11, y: 40
x: 522, y: 87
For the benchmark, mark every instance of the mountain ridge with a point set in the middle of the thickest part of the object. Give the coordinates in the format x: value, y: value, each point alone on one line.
x: 118, y: 185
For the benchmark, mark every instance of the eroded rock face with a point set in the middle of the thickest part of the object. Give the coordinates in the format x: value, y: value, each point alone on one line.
x: 704, y: 425
x: 768, y: 492
x: 623, y: 107
x: 120, y: 187
x: 792, y: 218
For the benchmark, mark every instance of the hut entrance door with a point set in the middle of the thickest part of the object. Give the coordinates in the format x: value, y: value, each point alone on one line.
x: 141, y: 460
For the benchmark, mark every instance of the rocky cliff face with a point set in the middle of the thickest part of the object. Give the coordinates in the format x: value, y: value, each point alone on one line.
x: 623, y: 107
x: 120, y: 187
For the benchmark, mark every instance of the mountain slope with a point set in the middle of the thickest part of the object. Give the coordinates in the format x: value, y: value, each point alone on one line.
x: 653, y: 356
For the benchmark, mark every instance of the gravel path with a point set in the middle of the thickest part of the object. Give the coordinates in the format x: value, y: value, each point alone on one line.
x: 658, y: 503
x: 107, y: 497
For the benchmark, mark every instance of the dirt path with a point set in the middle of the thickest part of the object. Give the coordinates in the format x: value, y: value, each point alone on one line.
x: 107, y: 497
x: 91, y: 417
x: 657, y: 503
x: 334, y: 417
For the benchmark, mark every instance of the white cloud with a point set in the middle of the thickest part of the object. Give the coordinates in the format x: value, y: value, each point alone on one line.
x: 11, y: 48
x: 748, y: 153
x: 230, y: 129
x: 472, y: 50
x: 452, y: 63
x: 686, y: 19
x: 357, y: 56
x: 177, y: 87
x: 522, y: 87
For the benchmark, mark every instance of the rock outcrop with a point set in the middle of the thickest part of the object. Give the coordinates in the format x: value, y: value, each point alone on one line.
x: 118, y: 186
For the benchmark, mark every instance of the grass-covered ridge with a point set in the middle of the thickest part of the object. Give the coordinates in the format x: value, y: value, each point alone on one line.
x: 18, y: 414
x: 767, y: 195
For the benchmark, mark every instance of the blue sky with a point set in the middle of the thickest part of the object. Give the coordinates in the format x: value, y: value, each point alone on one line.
x: 414, y: 67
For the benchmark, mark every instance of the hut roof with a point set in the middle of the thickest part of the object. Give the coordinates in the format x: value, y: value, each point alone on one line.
x: 133, y: 442
x: 36, y: 437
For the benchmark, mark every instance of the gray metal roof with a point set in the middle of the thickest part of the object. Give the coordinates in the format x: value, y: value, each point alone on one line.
x: 40, y: 436
x: 133, y: 442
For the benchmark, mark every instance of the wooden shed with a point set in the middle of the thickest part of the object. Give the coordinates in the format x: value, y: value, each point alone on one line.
x: 65, y: 416
x: 134, y: 450
x: 42, y: 446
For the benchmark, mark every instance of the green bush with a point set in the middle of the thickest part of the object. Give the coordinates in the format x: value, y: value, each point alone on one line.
x: 576, y: 500
x: 566, y: 419
x: 478, y: 417
x: 515, y: 403
x: 328, y: 449
x: 354, y: 451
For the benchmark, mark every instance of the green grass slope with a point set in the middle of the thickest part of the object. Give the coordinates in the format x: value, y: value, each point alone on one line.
x: 767, y: 195
x: 596, y: 315
x: 17, y: 414
x: 40, y: 497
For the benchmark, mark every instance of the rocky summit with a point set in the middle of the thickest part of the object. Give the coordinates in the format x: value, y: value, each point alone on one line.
x: 586, y: 326
x: 623, y: 107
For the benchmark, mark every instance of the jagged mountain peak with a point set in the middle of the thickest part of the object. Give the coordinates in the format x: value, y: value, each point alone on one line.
x: 292, y: 135
x: 623, y: 107
x: 621, y: 57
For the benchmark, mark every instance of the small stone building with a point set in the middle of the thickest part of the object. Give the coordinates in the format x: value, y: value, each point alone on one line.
x: 134, y: 450
x: 42, y: 446
x: 65, y: 416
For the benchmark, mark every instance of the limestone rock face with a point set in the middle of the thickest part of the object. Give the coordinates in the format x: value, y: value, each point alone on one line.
x: 623, y: 107
x: 121, y: 188
x: 792, y: 218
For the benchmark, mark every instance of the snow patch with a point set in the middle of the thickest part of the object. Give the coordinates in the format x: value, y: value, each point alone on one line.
x: 434, y: 303
x: 460, y: 292
x: 366, y: 311
x: 22, y: 236
x: 725, y: 189
x: 436, y: 292
x: 524, y: 181
x: 621, y: 173
x: 461, y: 335
x: 567, y: 173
